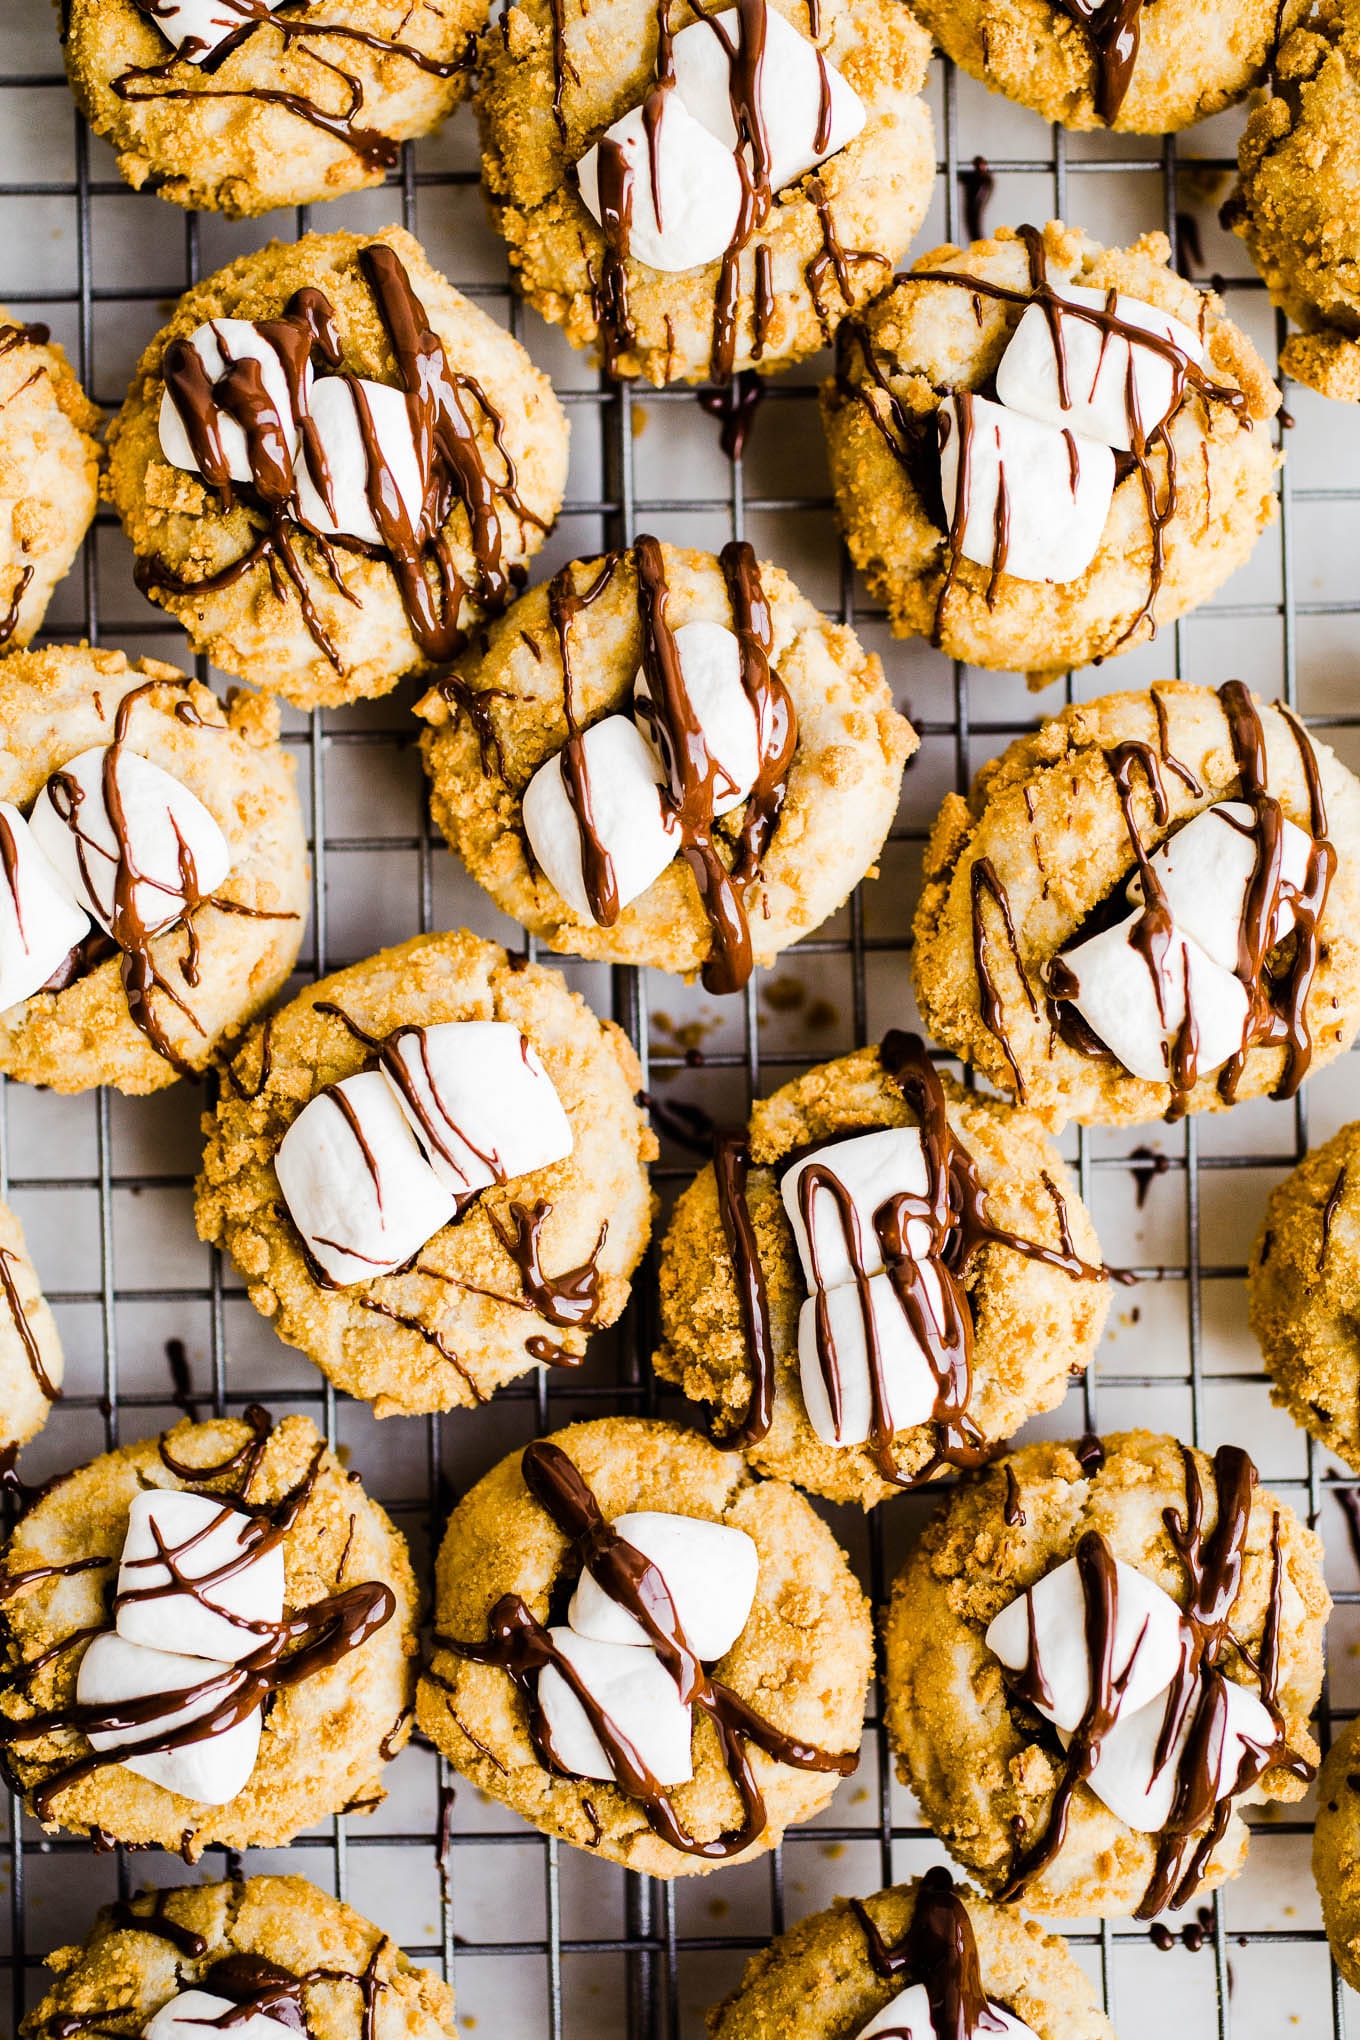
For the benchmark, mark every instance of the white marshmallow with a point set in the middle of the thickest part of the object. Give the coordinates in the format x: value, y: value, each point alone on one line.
x: 907, y: 2017
x: 335, y: 413
x: 202, y: 24
x: 211, y: 1771
x: 1097, y: 368
x: 202, y: 1534
x: 1205, y: 868
x: 1117, y: 998
x: 1058, y: 491
x: 217, y: 344
x: 710, y: 1573
x: 196, y: 2015
x: 710, y: 666
x: 1147, y: 1640
x: 1122, y: 1776
x: 164, y: 823
x: 789, y: 92
x: 639, y: 1697
x: 486, y: 1108
x: 907, y: 1377
x: 359, y: 1218
x: 873, y: 1167
x: 697, y: 182
x: 623, y: 776
x: 40, y: 922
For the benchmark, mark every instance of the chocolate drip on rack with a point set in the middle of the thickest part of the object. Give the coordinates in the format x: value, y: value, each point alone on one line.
x: 375, y: 149
x: 519, y: 1645
x: 1187, y: 379
x: 1196, y: 1696
x: 954, y: 1211
x: 938, y: 1950
x: 1112, y: 29
x: 28, y: 1338
x: 450, y: 464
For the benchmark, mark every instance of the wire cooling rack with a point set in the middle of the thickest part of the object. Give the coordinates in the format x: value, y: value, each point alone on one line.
x: 541, y: 1940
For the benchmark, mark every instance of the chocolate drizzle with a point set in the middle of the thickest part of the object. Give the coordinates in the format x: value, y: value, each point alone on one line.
x: 1112, y: 28
x: 258, y: 1988
x: 518, y: 1644
x: 571, y: 1298
x: 1213, y: 1564
x: 902, y: 438
x: 954, y: 1211
x: 123, y: 1914
x: 1276, y: 976
x: 938, y: 1950
x: 28, y: 1338
x: 376, y: 150
x: 442, y: 406
x: 9, y: 622
x: 1329, y: 1211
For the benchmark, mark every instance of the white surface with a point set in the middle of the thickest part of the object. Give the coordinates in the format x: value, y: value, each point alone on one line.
x: 710, y: 1574
x: 1057, y: 492
x: 201, y: 1534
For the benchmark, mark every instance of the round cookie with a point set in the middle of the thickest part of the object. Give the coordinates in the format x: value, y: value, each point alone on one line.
x: 1294, y: 204
x: 1145, y: 68
x: 31, y: 1362
x: 1302, y: 1285
x: 794, y: 1679
x: 315, y: 1956
x: 369, y: 544
x: 836, y: 1970
x: 553, y: 81
x: 568, y: 654
x: 1034, y: 859
x: 49, y: 473
x: 502, y: 1288
x: 1231, y: 1581
x: 1103, y: 578
x: 1336, y: 1850
x: 283, y: 112
x: 1026, y: 1326
x: 325, y: 1735
x: 139, y: 1010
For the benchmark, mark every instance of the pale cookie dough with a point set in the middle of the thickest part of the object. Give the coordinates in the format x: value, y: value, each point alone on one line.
x: 287, y: 115
x: 920, y: 340
x: 842, y: 788
x: 1336, y: 1850
x: 1034, y: 1327
x: 325, y: 1738
x: 431, y: 1337
x: 143, y: 1952
x: 983, y: 1764
x: 817, y: 1983
x: 1302, y: 1285
x: 31, y: 1362
x: 1295, y: 204
x: 1046, y: 815
x: 832, y: 237
x: 49, y: 473
x: 802, y: 1661
x: 58, y: 702
x: 253, y: 626
x: 1191, y: 61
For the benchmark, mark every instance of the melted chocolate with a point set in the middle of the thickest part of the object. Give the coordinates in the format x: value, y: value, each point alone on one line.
x: 1213, y: 1565
x: 1329, y: 1210
x: 1111, y: 27
x: 978, y: 185
x: 938, y: 1950
x: 565, y: 603
x: 985, y: 882
x: 519, y: 1645
x: 571, y: 1298
x: 731, y: 1169
x: 9, y: 622
x: 13, y: 1584
x: 47, y: 1388
x: 158, y: 1922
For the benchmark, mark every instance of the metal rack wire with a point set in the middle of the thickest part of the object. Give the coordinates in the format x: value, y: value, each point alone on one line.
x: 630, y: 1956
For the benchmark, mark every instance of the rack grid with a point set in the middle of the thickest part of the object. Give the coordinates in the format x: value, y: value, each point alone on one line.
x: 631, y: 1956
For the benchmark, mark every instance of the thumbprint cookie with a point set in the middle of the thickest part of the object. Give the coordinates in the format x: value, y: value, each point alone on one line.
x: 49, y: 474
x: 31, y: 1361
x: 206, y: 1637
x: 330, y: 465
x: 884, y: 1275
x: 155, y: 879
x: 693, y: 192
x: 643, y: 1650
x: 431, y: 1169
x: 668, y: 758
x: 1042, y: 449
x: 1336, y: 1849
x: 1148, y: 907
x: 1096, y: 1656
